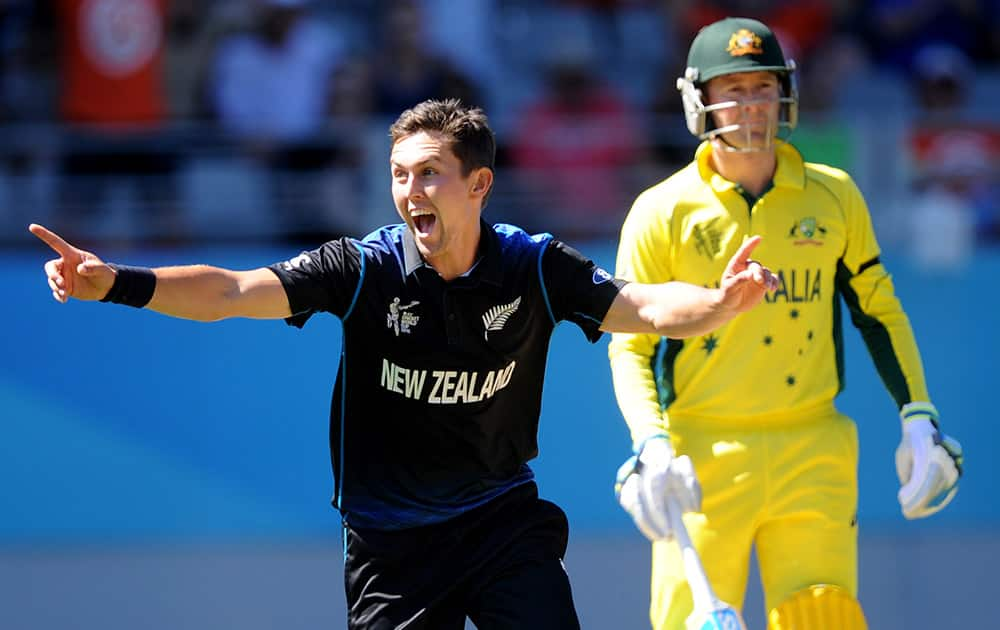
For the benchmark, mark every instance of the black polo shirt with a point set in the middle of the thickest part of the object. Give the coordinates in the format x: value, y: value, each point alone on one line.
x: 436, y: 404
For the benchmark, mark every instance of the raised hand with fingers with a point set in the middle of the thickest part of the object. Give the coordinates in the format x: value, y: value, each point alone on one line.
x: 745, y: 281
x: 75, y: 273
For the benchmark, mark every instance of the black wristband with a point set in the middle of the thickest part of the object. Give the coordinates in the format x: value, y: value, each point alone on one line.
x: 134, y: 286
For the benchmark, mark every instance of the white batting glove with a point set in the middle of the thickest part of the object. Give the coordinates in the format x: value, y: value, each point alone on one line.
x: 928, y: 462
x: 645, y: 481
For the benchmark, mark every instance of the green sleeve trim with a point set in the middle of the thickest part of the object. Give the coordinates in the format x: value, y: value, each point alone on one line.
x: 663, y: 360
x: 870, y: 263
x: 838, y: 337
x: 876, y: 337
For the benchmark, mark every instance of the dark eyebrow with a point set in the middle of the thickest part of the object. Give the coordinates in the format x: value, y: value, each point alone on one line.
x: 418, y: 165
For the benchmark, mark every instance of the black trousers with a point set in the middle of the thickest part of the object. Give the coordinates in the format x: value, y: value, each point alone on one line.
x: 500, y: 565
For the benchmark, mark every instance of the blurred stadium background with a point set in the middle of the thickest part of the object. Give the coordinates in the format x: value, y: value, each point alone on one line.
x: 165, y: 474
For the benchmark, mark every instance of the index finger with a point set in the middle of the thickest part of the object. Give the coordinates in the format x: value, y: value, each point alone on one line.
x: 743, y: 253
x: 51, y: 239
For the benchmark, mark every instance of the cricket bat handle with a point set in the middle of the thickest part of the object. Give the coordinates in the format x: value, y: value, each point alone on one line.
x: 701, y: 589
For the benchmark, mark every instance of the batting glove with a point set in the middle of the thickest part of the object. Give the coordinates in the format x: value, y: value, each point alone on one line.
x: 646, y: 480
x: 928, y: 462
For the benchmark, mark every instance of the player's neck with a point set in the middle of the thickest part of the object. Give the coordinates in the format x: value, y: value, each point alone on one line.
x: 753, y: 171
x: 460, y: 256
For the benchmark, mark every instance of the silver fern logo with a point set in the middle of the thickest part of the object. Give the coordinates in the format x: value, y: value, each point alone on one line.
x: 495, y: 318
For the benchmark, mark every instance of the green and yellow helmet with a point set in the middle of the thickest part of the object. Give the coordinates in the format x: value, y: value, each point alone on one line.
x: 729, y: 46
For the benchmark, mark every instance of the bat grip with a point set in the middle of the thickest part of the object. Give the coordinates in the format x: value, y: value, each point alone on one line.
x: 701, y: 589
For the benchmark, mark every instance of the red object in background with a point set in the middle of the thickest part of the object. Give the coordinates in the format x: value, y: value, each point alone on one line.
x: 110, y: 61
x: 800, y: 26
x: 578, y: 149
x: 956, y: 150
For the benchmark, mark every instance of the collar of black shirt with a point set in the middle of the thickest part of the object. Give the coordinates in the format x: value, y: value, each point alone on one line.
x: 488, y: 266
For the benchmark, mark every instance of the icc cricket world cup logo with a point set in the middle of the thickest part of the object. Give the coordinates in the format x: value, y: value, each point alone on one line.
x: 399, y: 318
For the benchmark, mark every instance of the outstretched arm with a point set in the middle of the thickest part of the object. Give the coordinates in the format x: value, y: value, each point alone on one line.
x: 680, y: 309
x: 198, y: 292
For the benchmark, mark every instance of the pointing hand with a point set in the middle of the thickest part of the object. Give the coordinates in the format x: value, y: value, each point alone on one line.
x: 76, y: 273
x: 745, y: 281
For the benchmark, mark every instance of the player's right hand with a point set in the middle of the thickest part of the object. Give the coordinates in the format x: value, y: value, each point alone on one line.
x: 647, y: 481
x: 745, y: 281
x: 76, y: 273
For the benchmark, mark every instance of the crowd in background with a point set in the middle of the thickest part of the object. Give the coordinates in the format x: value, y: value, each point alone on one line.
x: 137, y: 120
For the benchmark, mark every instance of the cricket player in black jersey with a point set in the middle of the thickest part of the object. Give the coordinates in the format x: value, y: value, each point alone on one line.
x: 446, y: 324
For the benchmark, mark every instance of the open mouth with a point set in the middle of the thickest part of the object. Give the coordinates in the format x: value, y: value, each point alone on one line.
x: 424, y: 222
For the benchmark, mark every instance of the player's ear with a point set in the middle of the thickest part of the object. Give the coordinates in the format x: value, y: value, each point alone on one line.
x: 482, y: 181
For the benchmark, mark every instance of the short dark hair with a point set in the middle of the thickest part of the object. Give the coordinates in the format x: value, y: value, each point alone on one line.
x: 473, y: 142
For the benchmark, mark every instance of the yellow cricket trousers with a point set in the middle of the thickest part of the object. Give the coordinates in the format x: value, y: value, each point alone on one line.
x: 787, y: 486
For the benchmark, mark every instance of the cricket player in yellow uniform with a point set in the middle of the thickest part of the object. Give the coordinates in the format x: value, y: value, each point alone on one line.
x: 739, y: 425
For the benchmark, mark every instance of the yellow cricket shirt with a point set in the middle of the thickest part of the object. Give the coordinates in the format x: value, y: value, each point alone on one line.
x: 784, y: 358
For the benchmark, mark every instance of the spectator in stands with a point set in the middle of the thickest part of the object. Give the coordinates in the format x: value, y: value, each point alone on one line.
x: 270, y: 91
x: 194, y: 30
x: 350, y: 120
x: 23, y: 26
x: 899, y: 28
x: 802, y: 26
x: 669, y: 143
x: 112, y: 101
x: 954, y: 158
x: 993, y: 35
x: 629, y: 34
x: 26, y: 59
x: 824, y: 134
x: 573, y: 145
x: 942, y: 75
x: 466, y: 40
x: 408, y: 70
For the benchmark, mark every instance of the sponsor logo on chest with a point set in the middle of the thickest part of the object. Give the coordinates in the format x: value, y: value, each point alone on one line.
x: 445, y: 387
x: 807, y: 231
